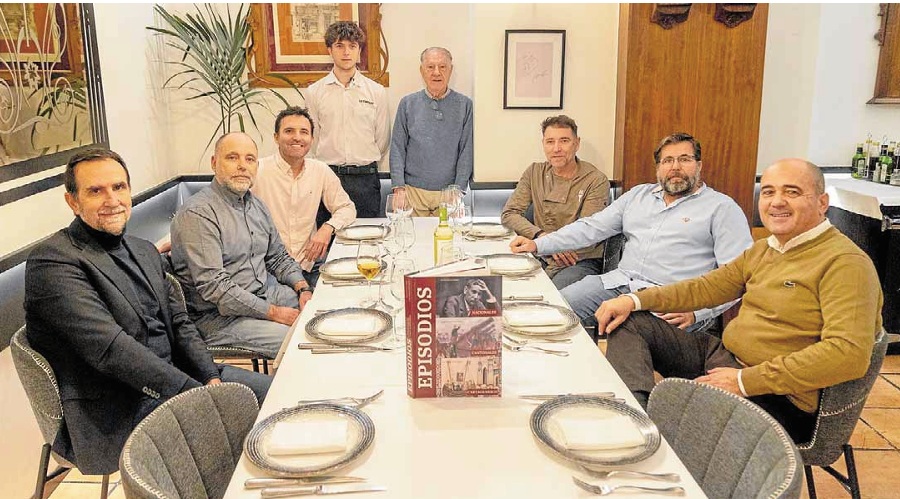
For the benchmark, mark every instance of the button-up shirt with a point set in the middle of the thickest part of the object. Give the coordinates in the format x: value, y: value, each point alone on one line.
x: 224, y: 247
x: 663, y: 244
x: 294, y: 201
x: 353, y: 126
x: 557, y: 201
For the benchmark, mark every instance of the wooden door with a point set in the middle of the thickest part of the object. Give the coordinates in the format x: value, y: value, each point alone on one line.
x: 699, y: 76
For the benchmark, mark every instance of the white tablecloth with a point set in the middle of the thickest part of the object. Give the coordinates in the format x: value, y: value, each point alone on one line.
x: 861, y: 196
x: 432, y: 448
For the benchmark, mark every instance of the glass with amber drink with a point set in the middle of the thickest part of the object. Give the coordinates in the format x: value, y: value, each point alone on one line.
x: 368, y: 262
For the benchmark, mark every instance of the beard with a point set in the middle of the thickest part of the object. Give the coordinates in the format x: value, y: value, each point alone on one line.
x: 679, y: 184
x: 238, y: 186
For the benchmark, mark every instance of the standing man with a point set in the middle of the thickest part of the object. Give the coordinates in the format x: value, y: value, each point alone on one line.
x: 810, y: 312
x: 561, y: 190
x: 676, y: 229
x: 293, y: 186
x: 242, y: 288
x: 431, y: 146
x: 351, y: 112
x: 99, y: 308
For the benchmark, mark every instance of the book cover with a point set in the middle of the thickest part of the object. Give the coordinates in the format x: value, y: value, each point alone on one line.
x: 453, y: 334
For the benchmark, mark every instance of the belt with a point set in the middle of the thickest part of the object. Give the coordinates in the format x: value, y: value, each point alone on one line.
x: 355, y: 169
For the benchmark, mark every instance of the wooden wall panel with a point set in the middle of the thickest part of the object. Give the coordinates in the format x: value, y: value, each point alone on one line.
x: 699, y: 77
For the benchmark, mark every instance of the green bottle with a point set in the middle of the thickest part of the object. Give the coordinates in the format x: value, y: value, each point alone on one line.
x: 858, y: 164
x: 443, y: 234
x: 886, y: 165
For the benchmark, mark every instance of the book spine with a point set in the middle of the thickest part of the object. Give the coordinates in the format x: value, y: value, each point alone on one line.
x: 421, y: 354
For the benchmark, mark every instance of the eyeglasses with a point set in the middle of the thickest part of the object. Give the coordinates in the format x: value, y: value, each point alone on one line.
x: 438, y: 115
x: 683, y: 160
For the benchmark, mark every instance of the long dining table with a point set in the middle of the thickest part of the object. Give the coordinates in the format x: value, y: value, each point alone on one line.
x: 452, y: 447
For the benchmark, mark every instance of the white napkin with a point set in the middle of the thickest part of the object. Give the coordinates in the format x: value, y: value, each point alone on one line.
x: 337, y: 326
x: 344, y: 268
x: 534, y: 317
x: 359, y: 232
x: 508, y: 264
x: 307, y: 437
x: 615, y: 432
x: 488, y: 230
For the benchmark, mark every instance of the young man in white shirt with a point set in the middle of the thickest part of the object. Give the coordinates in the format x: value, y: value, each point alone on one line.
x: 351, y: 115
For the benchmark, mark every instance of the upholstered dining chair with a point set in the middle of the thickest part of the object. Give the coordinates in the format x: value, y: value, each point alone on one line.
x: 731, y: 447
x: 839, y: 409
x: 189, y: 446
x: 40, y: 386
x: 223, y: 351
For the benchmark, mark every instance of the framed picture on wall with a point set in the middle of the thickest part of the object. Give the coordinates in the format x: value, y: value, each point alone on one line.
x: 289, y: 41
x: 533, y: 69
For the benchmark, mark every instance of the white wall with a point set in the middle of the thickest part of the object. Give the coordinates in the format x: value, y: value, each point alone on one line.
x: 508, y: 140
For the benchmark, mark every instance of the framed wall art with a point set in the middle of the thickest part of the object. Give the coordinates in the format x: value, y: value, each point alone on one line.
x: 534, y: 66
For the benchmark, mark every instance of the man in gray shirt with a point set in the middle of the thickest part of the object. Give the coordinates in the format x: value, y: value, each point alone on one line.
x: 431, y: 145
x: 242, y: 287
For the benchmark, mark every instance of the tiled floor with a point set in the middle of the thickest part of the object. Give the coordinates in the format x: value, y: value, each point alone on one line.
x: 876, y: 444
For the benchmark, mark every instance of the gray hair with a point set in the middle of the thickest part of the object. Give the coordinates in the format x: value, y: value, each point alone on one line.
x: 446, y: 53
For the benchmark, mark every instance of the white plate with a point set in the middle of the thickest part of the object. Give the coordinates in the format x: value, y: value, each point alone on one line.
x: 512, y: 265
x: 381, y: 326
x: 488, y: 230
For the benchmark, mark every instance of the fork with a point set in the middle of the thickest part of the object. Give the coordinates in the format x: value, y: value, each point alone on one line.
x: 518, y: 348
x: 542, y: 340
x: 359, y: 403
x: 605, y: 490
x: 666, y: 477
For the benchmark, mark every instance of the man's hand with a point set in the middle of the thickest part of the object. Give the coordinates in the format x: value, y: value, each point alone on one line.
x: 482, y: 288
x: 400, y: 203
x: 724, y: 378
x: 613, y: 312
x: 565, y: 258
x: 305, y: 296
x: 681, y: 320
x: 283, y: 315
x: 318, y: 243
x: 522, y: 245
x: 214, y: 381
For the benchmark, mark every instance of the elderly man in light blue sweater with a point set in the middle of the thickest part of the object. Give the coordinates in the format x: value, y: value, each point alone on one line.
x: 431, y: 145
x: 676, y: 229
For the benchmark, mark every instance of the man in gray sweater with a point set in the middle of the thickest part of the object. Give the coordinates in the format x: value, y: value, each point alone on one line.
x: 431, y: 145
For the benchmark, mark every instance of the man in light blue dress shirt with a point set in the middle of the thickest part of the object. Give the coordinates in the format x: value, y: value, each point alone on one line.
x: 676, y: 229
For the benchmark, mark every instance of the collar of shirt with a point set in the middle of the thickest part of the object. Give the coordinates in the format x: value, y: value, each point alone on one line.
x: 286, y: 168
x: 658, y: 192
x: 230, y: 197
x: 799, y: 239
x: 440, y: 97
x: 331, y: 79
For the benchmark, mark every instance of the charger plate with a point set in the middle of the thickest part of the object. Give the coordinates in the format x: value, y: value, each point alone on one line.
x: 360, y: 429
x: 488, y: 230
x: 545, y: 428
x: 363, y: 232
x: 383, y: 326
x: 511, y: 264
x: 339, y: 269
x: 570, y: 319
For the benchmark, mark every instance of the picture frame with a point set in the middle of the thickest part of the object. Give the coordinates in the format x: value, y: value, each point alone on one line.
x: 289, y: 46
x: 534, y: 64
x: 53, y: 48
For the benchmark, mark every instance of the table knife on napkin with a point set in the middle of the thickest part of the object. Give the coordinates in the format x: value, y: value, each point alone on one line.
x: 551, y: 396
x: 349, y: 349
x: 259, y: 483
x: 319, y: 490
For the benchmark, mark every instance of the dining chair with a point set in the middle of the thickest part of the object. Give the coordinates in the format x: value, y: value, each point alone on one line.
x: 189, y: 446
x: 839, y: 409
x: 223, y: 351
x: 40, y: 386
x: 731, y: 447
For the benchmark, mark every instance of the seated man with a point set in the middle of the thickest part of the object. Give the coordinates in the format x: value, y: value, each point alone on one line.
x: 292, y: 186
x: 241, y: 286
x: 811, y: 307
x: 99, y: 308
x: 562, y: 190
x: 676, y: 229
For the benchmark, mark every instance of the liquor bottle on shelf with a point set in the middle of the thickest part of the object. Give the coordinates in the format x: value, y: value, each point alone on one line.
x: 873, y: 161
x: 858, y: 165
x: 443, y: 234
x: 893, y: 175
x: 876, y: 172
x: 885, y: 165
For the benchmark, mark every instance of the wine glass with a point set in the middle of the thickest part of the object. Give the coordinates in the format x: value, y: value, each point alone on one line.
x: 397, y: 205
x: 368, y: 262
x: 407, y: 229
x: 393, y: 240
x: 401, y: 268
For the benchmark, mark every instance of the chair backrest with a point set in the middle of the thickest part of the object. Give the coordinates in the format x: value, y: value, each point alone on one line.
x: 731, y: 446
x: 839, y: 409
x: 189, y: 446
x: 612, y: 252
x: 40, y: 385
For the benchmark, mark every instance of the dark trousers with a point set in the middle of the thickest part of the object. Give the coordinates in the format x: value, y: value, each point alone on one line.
x: 365, y: 192
x: 644, y: 343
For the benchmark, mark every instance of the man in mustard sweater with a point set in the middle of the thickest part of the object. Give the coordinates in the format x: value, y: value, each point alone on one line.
x: 810, y: 312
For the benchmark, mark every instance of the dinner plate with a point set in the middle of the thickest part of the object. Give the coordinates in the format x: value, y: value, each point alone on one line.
x: 567, y: 323
x: 343, y: 269
x: 360, y: 435
x: 363, y: 232
x: 321, y: 326
x: 488, y: 230
x: 512, y: 265
x: 545, y: 425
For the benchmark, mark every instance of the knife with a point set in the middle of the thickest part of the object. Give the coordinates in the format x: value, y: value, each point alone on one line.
x: 259, y: 483
x: 361, y: 349
x: 320, y: 490
x: 524, y: 298
x: 603, y: 395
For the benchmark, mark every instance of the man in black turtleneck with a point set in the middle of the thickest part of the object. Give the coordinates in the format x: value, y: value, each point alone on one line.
x: 98, y: 307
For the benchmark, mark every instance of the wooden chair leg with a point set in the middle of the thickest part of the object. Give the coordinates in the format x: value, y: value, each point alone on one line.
x: 104, y: 487
x: 42, y: 472
x: 810, y: 482
x: 265, y: 366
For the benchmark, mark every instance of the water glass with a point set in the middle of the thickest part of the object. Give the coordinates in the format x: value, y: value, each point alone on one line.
x: 401, y: 268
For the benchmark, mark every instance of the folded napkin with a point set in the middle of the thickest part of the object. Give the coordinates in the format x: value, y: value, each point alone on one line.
x: 488, y: 230
x: 344, y: 268
x: 339, y: 326
x: 307, y: 437
x: 360, y: 232
x: 508, y: 264
x: 534, y: 317
x: 615, y: 432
